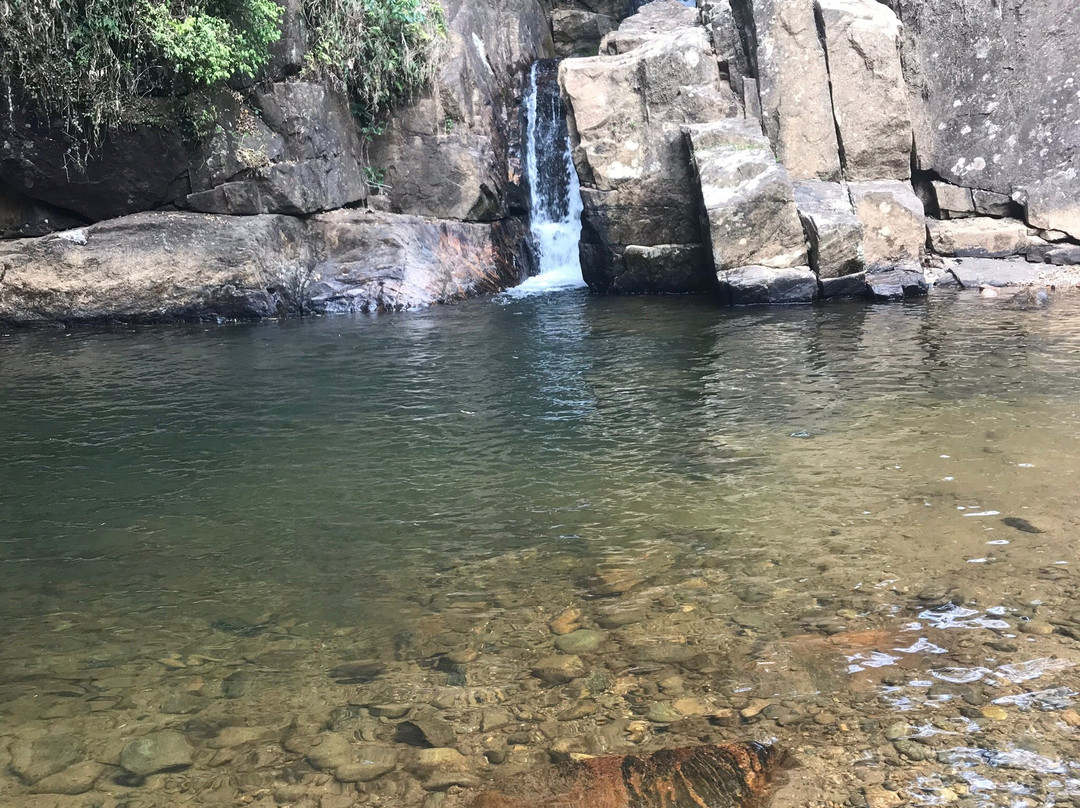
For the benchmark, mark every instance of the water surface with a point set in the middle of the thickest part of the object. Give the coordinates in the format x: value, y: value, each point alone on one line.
x: 810, y: 500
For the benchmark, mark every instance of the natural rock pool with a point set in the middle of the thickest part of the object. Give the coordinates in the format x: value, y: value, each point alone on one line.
x: 385, y: 561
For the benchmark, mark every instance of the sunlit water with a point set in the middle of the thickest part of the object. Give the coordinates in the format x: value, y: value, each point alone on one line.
x: 786, y: 524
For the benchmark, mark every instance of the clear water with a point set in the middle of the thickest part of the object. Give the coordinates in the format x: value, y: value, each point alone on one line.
x: 796, y: 495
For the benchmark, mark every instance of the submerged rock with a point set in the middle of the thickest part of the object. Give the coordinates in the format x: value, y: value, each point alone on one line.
x: 156, y: 752
x: 726, y: 776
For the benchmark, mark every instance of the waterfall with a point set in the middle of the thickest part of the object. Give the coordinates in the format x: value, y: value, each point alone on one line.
x: 554, y: 190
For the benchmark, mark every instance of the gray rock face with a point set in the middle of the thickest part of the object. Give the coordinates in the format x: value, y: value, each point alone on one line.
x: 758, y: 285
x: 833, y: 231
x: 853, y: 285
x: 299, y: 154
x: 894, y: 228
x: 22, y: 217
x: 168, y: 266
x: 793, y: 84
x: 978, y: 237
x: 862, y: 39
x: 135, y: 170
x: 578, y: 32
x: 1000, y: 113
x: 446, y: 155
x: 156, y: 752
x: 747, y: 197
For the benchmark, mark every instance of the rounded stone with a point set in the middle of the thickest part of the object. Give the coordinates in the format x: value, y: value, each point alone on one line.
x: 156, y: 752
x: 582, y: 641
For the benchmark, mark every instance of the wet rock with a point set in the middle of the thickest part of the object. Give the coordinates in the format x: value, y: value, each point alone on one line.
x: 426, y: 730
x: 494, y: 718
x: 439, y: 769
x: 608, y: 581
x: 579, y: 710
x: 758, y: 285
x: 1022, y: 525
x: 735, y: 775
x: 911, y: 750
x: 237, y: 685
x: 566, y: 622
x: 690, y: 707
x: 619, y: 617
x: 238, y: 736
x: 853, y: 285
x: 1071, y: 717
x: 77, y: 779
x: 369, y: 762
x: 357, y: 673
x: 35, y: 760
x: 582, y: 641
x: 747, y: 197
x: 389, y: 710
x: 665, y: 653
x: 1036, y: 627
x: 660, y: 713
x: 558, y: 669
x: 754, y: 708
x: 862, y: 47
x: 994, y: 712
x: 159, y: 751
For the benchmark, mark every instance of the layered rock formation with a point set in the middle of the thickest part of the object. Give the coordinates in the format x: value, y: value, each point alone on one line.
x: 801, y: 145
x: 762, y: 150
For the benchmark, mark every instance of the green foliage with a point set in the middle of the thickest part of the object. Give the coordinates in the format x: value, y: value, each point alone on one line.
x: 88, y: 63
x: 381, y: 52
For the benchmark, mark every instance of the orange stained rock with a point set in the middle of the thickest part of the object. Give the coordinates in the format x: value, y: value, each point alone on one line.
x: 725, y: 776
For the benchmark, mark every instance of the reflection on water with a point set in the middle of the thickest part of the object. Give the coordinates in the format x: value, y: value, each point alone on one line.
x: 850, y: 529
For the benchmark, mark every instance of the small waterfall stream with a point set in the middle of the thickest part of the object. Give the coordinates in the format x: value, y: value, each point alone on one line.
x: 554, y: 191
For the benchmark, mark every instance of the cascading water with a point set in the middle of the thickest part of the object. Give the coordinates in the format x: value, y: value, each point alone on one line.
x: 554, y: 191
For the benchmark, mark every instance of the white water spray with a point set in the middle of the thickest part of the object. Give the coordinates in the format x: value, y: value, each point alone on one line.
x: 554, y: 190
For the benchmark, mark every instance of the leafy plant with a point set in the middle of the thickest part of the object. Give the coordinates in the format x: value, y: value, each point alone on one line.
x: 381, y: 52
x: 88, y: 63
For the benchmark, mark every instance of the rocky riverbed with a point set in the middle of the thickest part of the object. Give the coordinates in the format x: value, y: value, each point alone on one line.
x: 853, y: 538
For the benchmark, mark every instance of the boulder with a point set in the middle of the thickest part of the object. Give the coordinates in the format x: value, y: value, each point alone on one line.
x: 758, y: 285
x: 190, y: 266
x: 793, y: 85
x: 978, y: 237
x: 558, y: 669
x: 869, y: 96
x: 625, y: 110
x: 989, y: 203
x: 833, y: 231
x: 718, y: 17
x: 952, y: 200
x: 999, y: 113
x: 747, y: 197
x: 973, y: 273
x: 651, y: 20
x: 663, y: 269
x: 853, y: 285
x: 577, y: 32
x: 893, y: 220
x: 897, y: 283
x: 295, y: 150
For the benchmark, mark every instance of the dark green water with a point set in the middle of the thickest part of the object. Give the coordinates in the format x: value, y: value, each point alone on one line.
x: 342, y: 474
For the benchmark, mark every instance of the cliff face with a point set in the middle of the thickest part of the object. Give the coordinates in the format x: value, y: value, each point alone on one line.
x: 766, y: 150
x: 778, y: 151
